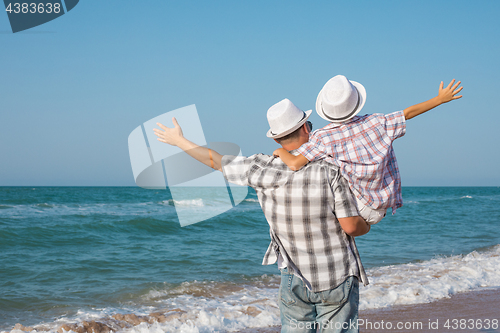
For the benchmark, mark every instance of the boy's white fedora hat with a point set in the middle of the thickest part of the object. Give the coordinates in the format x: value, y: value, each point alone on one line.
x: 340, y: 99
x: 284, y: 118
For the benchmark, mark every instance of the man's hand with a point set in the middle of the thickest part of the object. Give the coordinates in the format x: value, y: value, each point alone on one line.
x: 448, y: 94
x: 172, y: 136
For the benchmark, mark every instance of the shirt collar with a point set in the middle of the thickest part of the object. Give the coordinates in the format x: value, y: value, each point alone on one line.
x: 333, y: 125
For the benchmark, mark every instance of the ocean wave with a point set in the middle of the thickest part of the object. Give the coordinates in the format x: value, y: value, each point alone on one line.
x: 201, y: 202
x: 434, y: 200
x: 44, y: 205
x: 431, y: 280
x: 212, y: 289
x: 192, y: 307
x: 84, y: 209
x: 190, y: 203
x: 168, y: 202
x: 411, y: 202
x: 217, y: 306
x: 447, y: 198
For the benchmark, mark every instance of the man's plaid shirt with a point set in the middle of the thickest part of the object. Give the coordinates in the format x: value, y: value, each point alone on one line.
x: 362, y: 148
x: 302, y: 208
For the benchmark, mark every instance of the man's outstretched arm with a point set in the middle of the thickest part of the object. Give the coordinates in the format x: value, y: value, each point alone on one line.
x: 174, y: 137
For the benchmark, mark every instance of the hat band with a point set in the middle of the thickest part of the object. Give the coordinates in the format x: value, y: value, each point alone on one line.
x: 303, y: 116
x: 346, y: 117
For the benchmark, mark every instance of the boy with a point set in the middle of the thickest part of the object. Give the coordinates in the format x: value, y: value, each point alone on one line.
x: 362, y: 146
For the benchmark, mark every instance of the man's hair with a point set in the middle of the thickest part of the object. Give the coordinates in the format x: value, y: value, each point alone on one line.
x: 294, y: 135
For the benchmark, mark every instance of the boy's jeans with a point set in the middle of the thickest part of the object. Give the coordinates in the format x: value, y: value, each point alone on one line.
x: 302, y: 311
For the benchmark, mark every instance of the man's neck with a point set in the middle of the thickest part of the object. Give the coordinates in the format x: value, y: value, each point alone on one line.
x: 293, y: 145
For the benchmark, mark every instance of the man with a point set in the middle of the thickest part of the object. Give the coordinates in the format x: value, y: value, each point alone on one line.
x: 312, y: 217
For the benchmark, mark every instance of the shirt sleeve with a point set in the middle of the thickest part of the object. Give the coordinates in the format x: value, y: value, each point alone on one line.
x: 395, y: 124
x: 345, y: 203
x: 236, y: 169
x: 313, y: 149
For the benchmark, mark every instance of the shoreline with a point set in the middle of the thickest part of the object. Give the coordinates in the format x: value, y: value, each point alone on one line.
x: 473, y: 312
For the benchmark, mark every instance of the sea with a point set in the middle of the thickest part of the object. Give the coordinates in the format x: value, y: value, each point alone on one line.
x: 118, y: 256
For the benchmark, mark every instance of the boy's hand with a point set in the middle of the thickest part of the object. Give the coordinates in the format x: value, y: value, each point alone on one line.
x: 169, y: 135
x: 448, y: 94
x: 279, y: 151
x: 444, y: 96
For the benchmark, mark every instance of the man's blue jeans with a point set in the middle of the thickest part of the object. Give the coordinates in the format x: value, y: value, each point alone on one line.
x: 304, y: 311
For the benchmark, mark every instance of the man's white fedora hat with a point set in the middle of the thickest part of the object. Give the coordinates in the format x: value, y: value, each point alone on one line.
x: 284, y: 118
x: 340, y: 99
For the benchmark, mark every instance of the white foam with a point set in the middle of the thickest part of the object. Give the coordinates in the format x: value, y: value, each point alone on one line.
x: 167, y: 202
x: 431, y: 280
x: 190, y: 203
x: 411, y: 202
x: 221, y: 310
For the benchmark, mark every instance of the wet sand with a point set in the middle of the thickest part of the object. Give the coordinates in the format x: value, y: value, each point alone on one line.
x: 472, y: 312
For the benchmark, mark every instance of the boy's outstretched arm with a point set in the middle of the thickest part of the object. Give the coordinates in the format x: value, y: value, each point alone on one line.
x: 293, y: 162
x: 174, y: 137
x: 444, y: 96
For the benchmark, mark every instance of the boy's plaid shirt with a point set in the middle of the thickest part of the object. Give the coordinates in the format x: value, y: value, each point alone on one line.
x: 302, y: 209
x: 362, y: 148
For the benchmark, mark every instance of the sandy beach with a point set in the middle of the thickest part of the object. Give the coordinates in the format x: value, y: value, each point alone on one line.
x: 472, y: 312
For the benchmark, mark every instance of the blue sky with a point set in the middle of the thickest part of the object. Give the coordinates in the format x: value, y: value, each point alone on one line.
x: 74, y: 88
